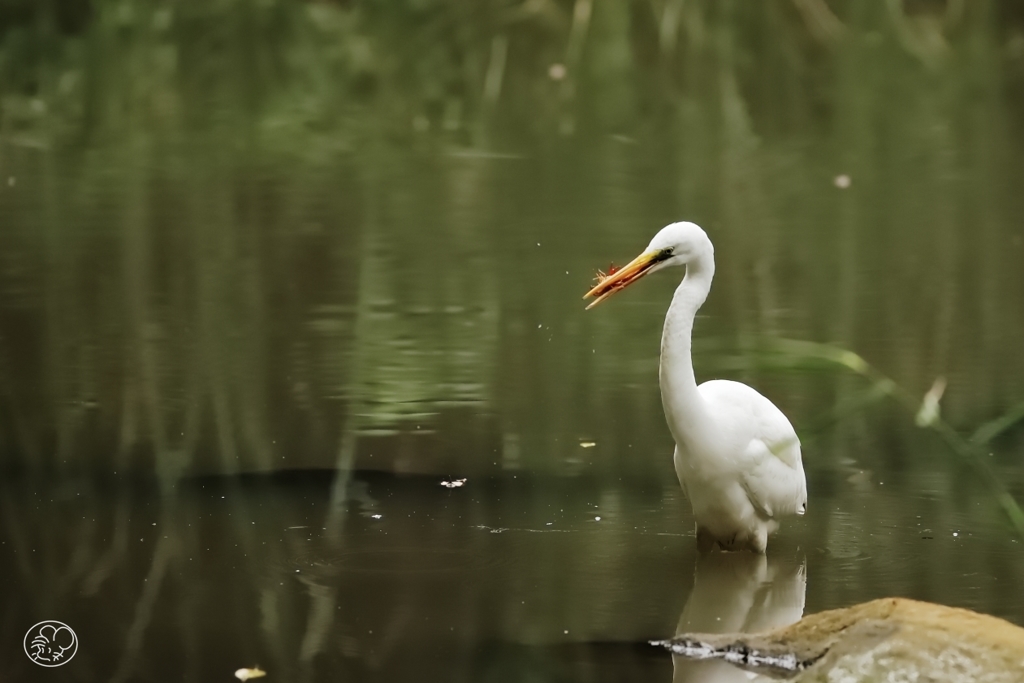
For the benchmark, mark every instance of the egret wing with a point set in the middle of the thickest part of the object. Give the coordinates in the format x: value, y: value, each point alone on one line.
x: 775, y: 479
x: 771, y: 469
x: 773, y: 486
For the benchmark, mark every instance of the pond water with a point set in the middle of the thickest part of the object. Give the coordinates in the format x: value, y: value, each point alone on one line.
x: 507, y: 577
x: 295, y: 371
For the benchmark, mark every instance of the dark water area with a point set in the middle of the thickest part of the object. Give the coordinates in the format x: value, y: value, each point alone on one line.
x: 275, y: 277
x: 504, y: 578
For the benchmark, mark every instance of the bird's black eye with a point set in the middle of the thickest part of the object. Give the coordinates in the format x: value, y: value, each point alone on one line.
x: 665, y: 254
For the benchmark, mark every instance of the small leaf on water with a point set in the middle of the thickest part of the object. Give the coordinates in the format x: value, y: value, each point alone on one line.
x: 587, y: 444
x: 246, y: 674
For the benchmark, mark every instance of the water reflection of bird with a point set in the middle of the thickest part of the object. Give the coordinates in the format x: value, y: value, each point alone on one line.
x: 737, y: 593
x: 737, y: 456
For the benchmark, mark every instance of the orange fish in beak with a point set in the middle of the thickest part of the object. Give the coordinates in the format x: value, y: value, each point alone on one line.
x: 625, y: 276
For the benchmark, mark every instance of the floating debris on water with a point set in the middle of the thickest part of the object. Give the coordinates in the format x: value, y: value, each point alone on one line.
x: 587, y: 444
x: 501, y: 529
x: 453, y: 483
x: 376, y: 516
x: 738, y: 653
x: 246, y: 674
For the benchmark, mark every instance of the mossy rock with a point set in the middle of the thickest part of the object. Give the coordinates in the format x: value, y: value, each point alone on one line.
x: 892, y: 639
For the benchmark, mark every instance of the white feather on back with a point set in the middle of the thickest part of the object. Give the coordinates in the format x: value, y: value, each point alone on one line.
x: 767, y: 460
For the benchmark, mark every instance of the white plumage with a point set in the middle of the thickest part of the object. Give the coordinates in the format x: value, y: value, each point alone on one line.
x: 737, y: 456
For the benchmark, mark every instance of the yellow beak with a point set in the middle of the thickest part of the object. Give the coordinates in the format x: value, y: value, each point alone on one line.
x: 623, y: 277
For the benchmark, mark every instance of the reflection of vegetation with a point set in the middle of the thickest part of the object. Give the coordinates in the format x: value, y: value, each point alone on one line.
x: 216, y: 212
x: 237, y: 573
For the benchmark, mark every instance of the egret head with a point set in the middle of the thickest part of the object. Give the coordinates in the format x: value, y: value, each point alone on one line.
x: 678, y: 244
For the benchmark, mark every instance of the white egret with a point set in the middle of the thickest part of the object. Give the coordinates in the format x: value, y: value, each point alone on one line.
x: 737, y: 456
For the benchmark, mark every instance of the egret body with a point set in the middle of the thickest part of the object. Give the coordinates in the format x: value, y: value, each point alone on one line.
x: 737, y: 456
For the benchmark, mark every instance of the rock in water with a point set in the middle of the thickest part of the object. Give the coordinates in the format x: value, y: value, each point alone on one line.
x: 887, y: 639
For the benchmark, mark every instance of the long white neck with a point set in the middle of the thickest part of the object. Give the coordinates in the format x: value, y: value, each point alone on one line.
x: 684, y: 408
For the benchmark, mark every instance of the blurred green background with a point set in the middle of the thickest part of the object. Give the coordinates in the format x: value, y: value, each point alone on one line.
x: 243, y: 236
x: 233, y: 230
